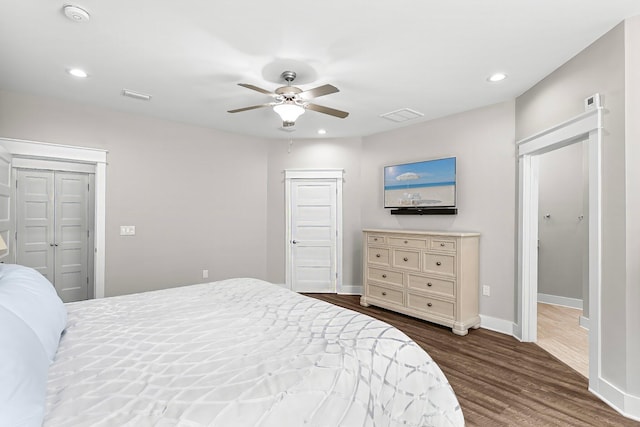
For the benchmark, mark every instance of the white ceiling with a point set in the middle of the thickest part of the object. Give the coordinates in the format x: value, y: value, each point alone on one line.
x: 383, y: 55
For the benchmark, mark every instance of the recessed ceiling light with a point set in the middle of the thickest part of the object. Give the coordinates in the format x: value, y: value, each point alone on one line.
x: 77, y: 72
x: 497, y: 77
x: 322, y: 131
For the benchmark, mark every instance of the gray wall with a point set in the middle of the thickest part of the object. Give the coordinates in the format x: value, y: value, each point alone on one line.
x: 483, y: 142
x: 172, y: 181
x: 599, y: 68
x: 562, y: 237
x: 196, y: 196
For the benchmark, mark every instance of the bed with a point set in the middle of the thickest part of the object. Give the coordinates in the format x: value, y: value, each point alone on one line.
x: 238, y: 352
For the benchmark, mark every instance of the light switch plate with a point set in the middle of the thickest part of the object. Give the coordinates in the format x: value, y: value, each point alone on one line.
x: 127, y: 230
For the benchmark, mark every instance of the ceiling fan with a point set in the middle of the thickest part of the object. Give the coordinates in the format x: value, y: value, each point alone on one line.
x: 290, y: 102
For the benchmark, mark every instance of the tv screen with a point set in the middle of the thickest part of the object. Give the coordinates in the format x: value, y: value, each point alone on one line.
x: 426, y: 184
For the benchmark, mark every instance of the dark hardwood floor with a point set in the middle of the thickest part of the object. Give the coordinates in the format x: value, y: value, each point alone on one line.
x: 500, y: 381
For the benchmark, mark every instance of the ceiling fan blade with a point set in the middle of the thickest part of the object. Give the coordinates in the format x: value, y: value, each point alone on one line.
x: 327, y: 110
x: 318, y: 91
x: 257, y: 89
x: 253, y: 107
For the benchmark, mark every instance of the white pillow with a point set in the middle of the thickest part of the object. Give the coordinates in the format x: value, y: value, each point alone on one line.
x: 32, y: 298
x: 23, y: 373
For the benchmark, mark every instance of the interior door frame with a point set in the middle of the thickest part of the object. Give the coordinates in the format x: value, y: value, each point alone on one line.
x: 313, y: 175
x: 19, y: 148
x: 586, y: 126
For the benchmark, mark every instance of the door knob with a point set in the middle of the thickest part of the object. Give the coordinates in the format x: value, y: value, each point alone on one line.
x: 294, y: 242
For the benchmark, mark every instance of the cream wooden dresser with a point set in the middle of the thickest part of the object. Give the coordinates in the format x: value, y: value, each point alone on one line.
x: 429, y: 275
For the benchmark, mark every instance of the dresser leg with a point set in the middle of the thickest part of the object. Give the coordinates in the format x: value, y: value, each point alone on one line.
x: 363, y: 302
x: 461, y: 332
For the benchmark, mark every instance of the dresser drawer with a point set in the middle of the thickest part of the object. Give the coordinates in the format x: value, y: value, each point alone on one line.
x: 407, y: 260
x: 407, y: 242
x: 384, y: 276
x: 443, y: 244
x: 378, y: 255
x: 429, y: 284
x: 431, y: 305
x: 379, y: 292
x: 376, y: 239
x: 439, y: 263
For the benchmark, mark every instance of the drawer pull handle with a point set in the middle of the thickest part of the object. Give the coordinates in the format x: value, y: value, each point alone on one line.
x: 384, y: 276
x: 406, y: 242
x: 384, y: 294
x: 429, y: 284
x: 429, y: 304
x: 375, y: 239
x: 442, y: 244
x: 438, y: 263
x: 405, y: 259
x: 377, y: 255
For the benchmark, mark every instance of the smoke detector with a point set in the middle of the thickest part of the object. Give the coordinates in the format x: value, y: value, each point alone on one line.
x: 75, y: 13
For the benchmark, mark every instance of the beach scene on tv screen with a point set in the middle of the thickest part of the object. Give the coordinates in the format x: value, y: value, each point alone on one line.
x: 422, y: 184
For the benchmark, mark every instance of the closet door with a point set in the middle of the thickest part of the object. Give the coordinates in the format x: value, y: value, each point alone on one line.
x: 71, y: 235
x: 34, y: 221
x: 52, y: 228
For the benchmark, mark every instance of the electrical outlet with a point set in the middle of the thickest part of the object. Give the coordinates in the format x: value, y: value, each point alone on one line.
x: 486, y: 290
x: 127, y: 230
x: 205, y: 274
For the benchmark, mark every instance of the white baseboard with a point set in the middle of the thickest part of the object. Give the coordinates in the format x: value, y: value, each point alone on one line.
x: 584, y: 322
x: 497, y: 325
x: 350, y: 290
x: 626, y: 404
x: 557, y: 300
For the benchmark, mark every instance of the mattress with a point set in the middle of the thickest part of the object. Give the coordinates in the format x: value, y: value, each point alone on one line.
x: 239, y: 352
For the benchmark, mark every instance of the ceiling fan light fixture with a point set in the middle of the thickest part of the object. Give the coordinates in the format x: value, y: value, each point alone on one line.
x: 288, y: 111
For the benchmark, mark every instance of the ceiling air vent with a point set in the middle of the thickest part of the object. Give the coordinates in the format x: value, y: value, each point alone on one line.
x: 402, y: 115
x: 136, y: 95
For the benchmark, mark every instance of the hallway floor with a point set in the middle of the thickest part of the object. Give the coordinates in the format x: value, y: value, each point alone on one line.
x: 560, y: 333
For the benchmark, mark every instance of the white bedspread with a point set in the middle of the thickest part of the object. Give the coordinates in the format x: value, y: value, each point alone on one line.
x: 239, y: 352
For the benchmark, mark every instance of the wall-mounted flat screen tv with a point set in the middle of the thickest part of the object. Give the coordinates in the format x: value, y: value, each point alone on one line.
x: 426, y: 184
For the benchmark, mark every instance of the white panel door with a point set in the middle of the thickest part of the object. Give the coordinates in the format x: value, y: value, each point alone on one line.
x: 5, y: 200
x: 71, y: 235
x: 52, y: 228
x: 34, y: 221
x: 313, y: 236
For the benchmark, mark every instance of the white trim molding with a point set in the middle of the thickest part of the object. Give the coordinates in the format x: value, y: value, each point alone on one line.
x: 496, y: 325
x: 624, y: 403
x: 66, y: 153
x: 350, y: 290
x: 586, y: 126
x: 558, y: 300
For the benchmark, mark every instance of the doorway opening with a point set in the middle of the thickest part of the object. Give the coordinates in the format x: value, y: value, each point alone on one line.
x: 313, y: 200
x: 21, y: 154
x: 585, y: 127
x: 54, y: 227
x: 563, y: 255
